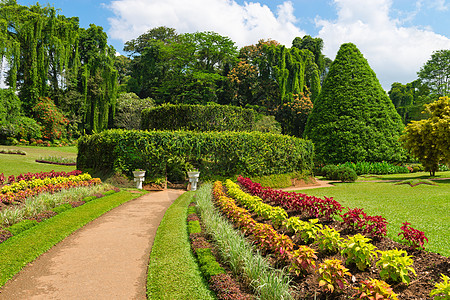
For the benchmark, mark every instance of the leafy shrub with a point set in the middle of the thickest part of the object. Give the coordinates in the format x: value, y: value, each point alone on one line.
x: 442, y: 289
x: 198, y: 118
x: 62, y: 208
x: 218, y: 154
x: 413, y: 237
x: 110, y: 192
x: 21, y: 226
x: 129, y: 110
x: 341, y: 173
x: 356, y: 218
x: 308, y: 231
x: 329, y: 239
x: 89, y: 198
x: 208, y: 264
x: 357, y: 250
x: 332, y: 275
x: 375, y: 289
x: 52, y: 120
x: 395, y: 264
x: 194, y: 227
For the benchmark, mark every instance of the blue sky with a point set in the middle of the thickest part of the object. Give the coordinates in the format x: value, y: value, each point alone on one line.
x: 396, y: 36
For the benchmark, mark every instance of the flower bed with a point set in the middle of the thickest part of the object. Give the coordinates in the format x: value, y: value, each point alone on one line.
x: 316, y: 276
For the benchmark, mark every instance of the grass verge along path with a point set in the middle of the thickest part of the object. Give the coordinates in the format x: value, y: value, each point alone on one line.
x: 22, y: 249
x: 173, y: 272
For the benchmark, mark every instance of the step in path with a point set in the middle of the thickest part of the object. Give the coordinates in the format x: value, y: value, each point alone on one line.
x: 106, y: 259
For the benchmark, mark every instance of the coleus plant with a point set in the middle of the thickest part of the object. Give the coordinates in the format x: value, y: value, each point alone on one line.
x: 332, y: 275
x: 415, y: 238
x: 374, y: 289
x: 357, y: 249
x: 395, y: 265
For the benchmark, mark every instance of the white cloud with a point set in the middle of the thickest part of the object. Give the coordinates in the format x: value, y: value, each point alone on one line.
x: 245, y: 24
x: 394, y: 52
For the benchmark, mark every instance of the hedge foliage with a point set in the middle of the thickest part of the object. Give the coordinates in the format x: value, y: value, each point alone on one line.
x: 198, y: 118
x: 213, y: 153
x: 353, y: 119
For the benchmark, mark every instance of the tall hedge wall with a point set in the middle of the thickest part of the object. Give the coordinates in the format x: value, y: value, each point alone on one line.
x: 198, y: 118
x: 214, y: 153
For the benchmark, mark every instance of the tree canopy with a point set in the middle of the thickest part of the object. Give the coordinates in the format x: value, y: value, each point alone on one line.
x: 353, y: 119
x: 436, y: 73
x: 428, y: 140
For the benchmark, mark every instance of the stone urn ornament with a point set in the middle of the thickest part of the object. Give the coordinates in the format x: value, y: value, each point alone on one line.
x: 139, y: 177
x: 193, y: 178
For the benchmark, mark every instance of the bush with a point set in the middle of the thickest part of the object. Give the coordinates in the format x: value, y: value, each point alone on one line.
x: 342, y: 173
x: 21, y: 226
x: 198, y: 118
x: 62, y: 208
x: 213, y: 153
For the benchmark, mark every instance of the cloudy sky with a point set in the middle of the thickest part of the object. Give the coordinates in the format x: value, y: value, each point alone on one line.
x: 396, y: 36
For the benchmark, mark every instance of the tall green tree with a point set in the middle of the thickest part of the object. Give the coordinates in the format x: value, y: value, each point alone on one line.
x: 353, y: 119
x: 40, y: 47
x: 428, y: 140
x: 409, y: 99
x: 436, y: 73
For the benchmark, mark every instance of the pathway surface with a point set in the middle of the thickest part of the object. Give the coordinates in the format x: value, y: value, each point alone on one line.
x: 106, y: 259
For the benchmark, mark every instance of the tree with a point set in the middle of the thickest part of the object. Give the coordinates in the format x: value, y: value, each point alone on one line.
x: 436, y: 73
x: 353, y: 119
x: 428, y: 140
x: 409, y: 99
x: 129, y: 109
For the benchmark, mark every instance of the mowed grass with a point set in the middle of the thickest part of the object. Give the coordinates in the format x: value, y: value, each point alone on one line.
x: 18, y: 251
x: 426, y: 207
x: 12, y: 164
x: 173, y: 272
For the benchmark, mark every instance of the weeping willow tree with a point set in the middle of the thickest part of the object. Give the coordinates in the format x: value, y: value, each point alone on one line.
x: 48, y: 54
x: 99, y: 79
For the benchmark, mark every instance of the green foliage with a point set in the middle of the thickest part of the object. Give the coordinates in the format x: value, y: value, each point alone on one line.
x: 329, y: 239
x: 435, y: 73
x: 194, y: 227
x: 21, y: 226
x: 357, y: 250
x: 267, y: 124
x: 208, y: 264
x: 332, y: 275
x: 213, y: 153
x: 198, y: 118
x: 427, y: 140
x: 89, y: 198
x: 308, y: 231
x: 341, y: 172
x: 375, y: 289
x: 379, y: 168
x: 62, y: 208
x: 442, y: 289
x: 129, y: 108
x: 409, y: 99
x: 395, y: 264
x: 353, y: 119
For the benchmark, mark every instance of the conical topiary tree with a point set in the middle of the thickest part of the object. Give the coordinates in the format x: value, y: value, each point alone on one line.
x: 353, y: 118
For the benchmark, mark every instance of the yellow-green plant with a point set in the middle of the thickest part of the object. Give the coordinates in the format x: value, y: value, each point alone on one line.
x: 332, y: 275
x: 395, y: 264
x: 357, y: 249
x: 329, y: 239
x: 308, y: 230
x: 302, y: 260
x: 442, y: 289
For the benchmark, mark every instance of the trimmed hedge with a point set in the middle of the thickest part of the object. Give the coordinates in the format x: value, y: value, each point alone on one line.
x: 214, y: 153
x: 198, y: 118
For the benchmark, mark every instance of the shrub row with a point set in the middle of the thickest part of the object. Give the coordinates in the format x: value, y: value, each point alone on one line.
x: 342, y: 173
x: 213, y: 153
x: 198, y: 118
x: 377, y: 168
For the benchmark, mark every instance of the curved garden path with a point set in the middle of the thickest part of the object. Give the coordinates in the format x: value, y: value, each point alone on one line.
x: 106, y: 259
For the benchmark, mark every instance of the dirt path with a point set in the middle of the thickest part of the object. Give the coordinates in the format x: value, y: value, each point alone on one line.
x: 106, y: 259
x: 318, y: 184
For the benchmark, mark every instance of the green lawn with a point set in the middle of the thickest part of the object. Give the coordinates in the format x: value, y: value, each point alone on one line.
x: 11, y: 164
x: 426, y: 207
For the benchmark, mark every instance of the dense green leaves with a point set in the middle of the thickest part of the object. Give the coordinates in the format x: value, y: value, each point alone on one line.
x: 199, y: 118
x: 214, y: 153
x: 428, y: 140
x: 353, y: 119
x: 436, y: 73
